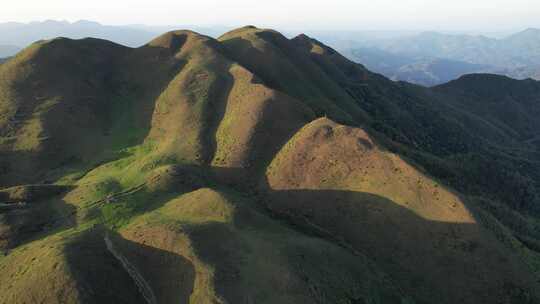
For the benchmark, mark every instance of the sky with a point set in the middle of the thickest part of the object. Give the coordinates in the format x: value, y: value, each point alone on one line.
x: 291, y: 14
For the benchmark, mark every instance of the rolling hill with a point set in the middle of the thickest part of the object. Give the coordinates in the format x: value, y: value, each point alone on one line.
x: 254, y: 168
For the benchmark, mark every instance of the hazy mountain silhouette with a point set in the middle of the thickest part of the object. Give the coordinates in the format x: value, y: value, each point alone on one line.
x: 517, y: 56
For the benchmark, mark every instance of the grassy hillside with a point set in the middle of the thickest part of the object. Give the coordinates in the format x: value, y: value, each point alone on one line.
x: 284, y: 67
x: 53, y: 98
x: 337, y: 178
x: 258, y: 169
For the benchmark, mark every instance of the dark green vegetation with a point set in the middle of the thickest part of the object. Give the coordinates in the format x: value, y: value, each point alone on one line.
x: 259, y: 169
x: 432, y: 58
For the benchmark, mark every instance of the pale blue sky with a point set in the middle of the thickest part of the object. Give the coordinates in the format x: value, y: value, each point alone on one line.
x: 328, y: 14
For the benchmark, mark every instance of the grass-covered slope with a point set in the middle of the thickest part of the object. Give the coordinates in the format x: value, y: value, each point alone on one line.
x: 52, y: 100
x: 197, y: 170
x: 221, y: 248
x: 66, y: 268
x: 339, y: 179
x: 459, y: 132
x: 281, y: 65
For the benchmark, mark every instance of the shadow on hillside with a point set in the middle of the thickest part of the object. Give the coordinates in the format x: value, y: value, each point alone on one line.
x: 123, y: 93
x: 102, y: 277
x: 34, y: 216
x: 450, y: 262
x: 431, y: 260
x: 170, y: 276
x: 298, y: 68
x: 249, y: 59
x: 99, y: 276
x: 216, y: 109
x: 292, y: 70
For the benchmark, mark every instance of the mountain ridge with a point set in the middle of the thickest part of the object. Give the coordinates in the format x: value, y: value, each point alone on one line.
x: 248, y: 168
x: 515, y: 55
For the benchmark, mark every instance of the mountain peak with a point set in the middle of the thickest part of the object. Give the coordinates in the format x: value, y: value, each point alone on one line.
x: 313, y: 45
x: 303, y: 40
x: 86, y: 23
x: 245, y: 31
x: 175, y: 40
x: 532, y: 30
x: 529, y: 33
x: 53, y: 22
x: 302, y: 36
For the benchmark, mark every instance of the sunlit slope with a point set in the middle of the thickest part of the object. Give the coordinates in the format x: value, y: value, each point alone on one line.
x: 477, y: 126
x: 337, y: 178
x: 217, y: 112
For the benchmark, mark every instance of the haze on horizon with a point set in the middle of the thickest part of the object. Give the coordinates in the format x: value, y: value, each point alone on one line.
x: 491, y: 15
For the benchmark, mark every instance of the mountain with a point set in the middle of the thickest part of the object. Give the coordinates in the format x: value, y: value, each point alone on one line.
x: 509, y: 103
x: 23, y: 34
x: 260, y: 169
x: 532, y: 72
x: 14, y: 35
x: 212, y: 31
x: 418, y: 70
x: 427, y: 58
x: 473, y: 49
x: 516, y: 56
x: 378, y: 60
x: 524, y: 45
x: 436, y: 71
x: 8, y: 50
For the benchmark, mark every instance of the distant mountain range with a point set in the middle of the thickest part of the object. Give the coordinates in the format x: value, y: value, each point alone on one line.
x: 8, y: 50
x: 519, y: 49
x: 432, y: 58
x: 14, y: 35
x: 419, y: 70
x: 23, y: 34
x: 426, y: 58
